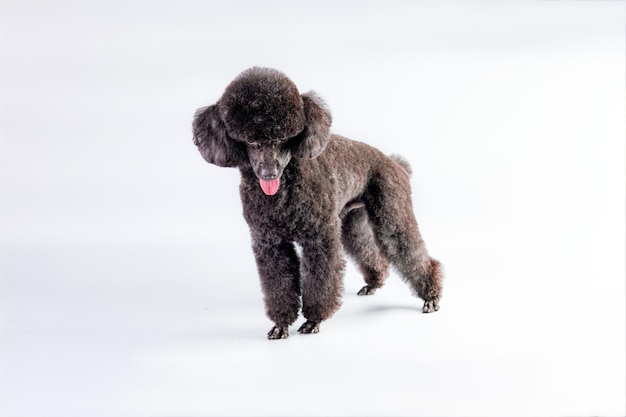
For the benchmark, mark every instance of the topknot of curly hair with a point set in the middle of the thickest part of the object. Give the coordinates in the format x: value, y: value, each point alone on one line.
x: 262, y: 104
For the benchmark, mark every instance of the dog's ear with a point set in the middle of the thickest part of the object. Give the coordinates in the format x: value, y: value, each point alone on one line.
x: 316, y: 134
x: 212, y: 140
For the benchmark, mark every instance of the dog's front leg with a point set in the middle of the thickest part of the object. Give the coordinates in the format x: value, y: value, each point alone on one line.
x: 322, y: 280
x: 279, y: 271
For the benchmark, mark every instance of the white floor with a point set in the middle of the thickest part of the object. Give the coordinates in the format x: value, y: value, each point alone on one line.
x: 128, y: 284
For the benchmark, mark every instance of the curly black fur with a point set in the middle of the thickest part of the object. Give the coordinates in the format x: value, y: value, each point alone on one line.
x: 301, y: 184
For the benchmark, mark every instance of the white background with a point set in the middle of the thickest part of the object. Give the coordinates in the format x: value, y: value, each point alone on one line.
x: 128, y: 284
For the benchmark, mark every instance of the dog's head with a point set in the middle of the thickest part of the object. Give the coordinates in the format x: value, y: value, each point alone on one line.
x: 262, y: 120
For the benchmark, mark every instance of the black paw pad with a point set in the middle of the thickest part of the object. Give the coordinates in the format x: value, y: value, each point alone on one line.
x: 431, y: 306
x: 278, y: 332
x: 367, y: 290
x: 309, y: 327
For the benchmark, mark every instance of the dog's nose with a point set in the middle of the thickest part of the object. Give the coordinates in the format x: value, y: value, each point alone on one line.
x: 269, y: 173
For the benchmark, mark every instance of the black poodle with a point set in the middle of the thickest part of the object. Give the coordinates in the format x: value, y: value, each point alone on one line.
x: 301, y: 184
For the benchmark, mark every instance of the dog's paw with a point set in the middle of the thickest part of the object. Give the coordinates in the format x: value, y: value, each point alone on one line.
x: 367, y: 290
x: 431, y: 306
x: 278, y: 332
x: 309, y: 327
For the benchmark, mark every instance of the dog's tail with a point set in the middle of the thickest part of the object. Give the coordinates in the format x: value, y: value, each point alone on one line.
x: 402, y: 162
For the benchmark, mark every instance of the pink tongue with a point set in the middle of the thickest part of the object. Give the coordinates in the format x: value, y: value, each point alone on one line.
x: 270, y: 187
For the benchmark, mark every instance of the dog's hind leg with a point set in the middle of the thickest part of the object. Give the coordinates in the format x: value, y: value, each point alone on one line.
x: 389, y: 207
x: 279, y: 270
x: 360, y: 244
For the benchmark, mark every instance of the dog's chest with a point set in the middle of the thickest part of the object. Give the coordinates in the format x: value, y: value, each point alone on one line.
x: 294, y: 210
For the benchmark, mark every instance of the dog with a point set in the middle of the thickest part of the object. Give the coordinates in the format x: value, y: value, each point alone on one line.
x: 302, y: 185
